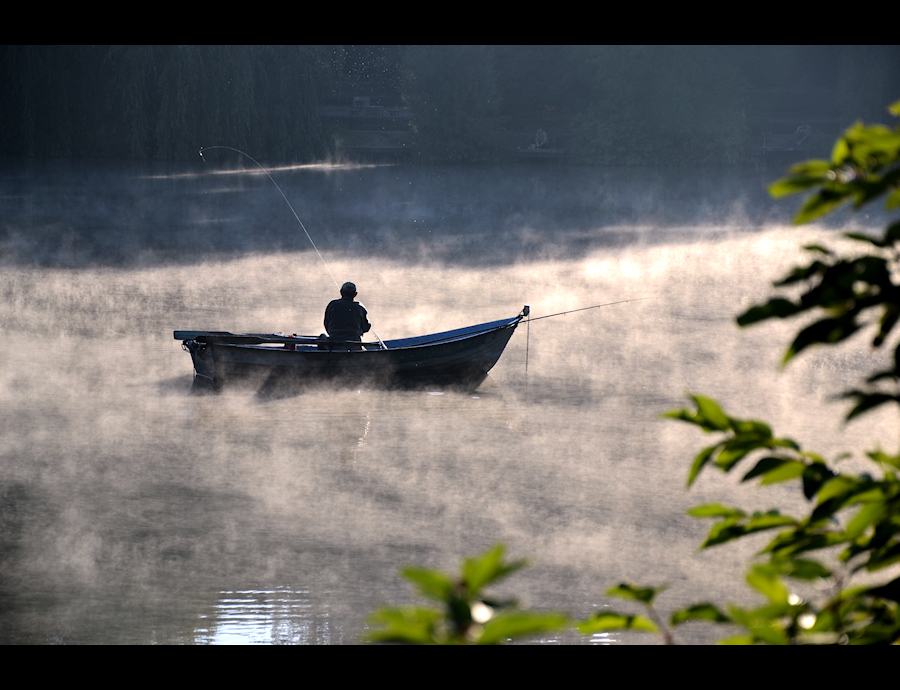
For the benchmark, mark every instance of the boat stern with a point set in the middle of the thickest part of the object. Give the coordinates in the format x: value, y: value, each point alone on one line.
x: 204, y: 370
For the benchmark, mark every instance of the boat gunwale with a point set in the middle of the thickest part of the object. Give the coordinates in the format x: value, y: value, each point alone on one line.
x: 314, y: 349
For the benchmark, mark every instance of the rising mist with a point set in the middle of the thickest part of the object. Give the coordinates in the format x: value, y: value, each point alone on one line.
x: 136, y: 512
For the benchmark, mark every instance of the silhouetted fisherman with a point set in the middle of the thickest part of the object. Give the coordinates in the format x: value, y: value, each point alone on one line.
x: 346, y: 319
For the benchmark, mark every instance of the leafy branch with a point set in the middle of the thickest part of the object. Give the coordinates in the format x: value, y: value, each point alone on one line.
x: 467, y: 614
x: 653, y: 622
x: 847, y: 293
x: 856, y: 517
x: 853, y: 520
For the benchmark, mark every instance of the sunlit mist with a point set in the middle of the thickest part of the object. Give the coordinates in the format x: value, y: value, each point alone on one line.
x: 133, y: 511
x: 323, y: 166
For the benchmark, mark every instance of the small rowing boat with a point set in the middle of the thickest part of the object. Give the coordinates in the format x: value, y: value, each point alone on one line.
x: 459, y: 359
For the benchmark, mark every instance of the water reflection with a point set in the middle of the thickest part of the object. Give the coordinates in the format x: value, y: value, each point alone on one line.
x: 603, y: 639
x: 346, y: 433
x: 279, y: 616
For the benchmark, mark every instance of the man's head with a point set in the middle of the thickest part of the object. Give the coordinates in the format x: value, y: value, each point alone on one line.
x: 348, y: 290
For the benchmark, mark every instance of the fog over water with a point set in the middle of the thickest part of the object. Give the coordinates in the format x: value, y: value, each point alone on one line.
x: 132, y: 511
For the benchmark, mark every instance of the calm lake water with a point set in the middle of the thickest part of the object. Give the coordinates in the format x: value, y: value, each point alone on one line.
x: 134, y: 512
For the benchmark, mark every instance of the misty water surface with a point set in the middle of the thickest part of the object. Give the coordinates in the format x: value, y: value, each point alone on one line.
x: 134, y: 512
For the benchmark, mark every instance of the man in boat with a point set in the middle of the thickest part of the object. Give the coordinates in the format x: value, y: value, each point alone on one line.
x: 346, y: 319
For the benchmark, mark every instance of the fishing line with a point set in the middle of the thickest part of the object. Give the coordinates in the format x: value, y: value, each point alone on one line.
x: 229, y: 148
x: 380, y: 341
x: 527, y: 345
x: 571, y: 311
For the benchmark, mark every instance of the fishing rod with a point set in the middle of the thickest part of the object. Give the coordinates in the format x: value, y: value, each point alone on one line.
x: 229, y: 148
x: 596, y: 306
x: 528, y: 321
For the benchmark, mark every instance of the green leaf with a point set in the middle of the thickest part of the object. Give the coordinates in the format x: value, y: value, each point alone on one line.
x: 777, y: 307
x: 801, y: 568
x: 768, y: 520
x: 889, y: 318
x: 737, y: 639
x: 802, y: 176
x: 774, y: 469
x: 825, y: 331
x: 892, y: 234
x: 860, y: 237
x: 699, y: 462
x: 432, y: 584
x: 715, y: 510
x: 730, y: 529
x: 867, y: 402
x: 883, y: 558
x: 867, y: 515
x: 880, y: 456
x: 736, y: 449
x: 770, y: 634
x: 762, y: 623
x: 814, y: 476
x: 837, y: 487
x: 751, y: 427
x: 791, y: 542
x: 893, y: 200
x: 840, y: 152
x: 480, y: 571
x: 709, y: 411
x: 801, y: 274
x: 520, y: 624
x: 821, y: 204
x: 604, y: 622
x: 723, y: 532
x: 627, y: 590
x: 699, y: 612
x: 405, y: 625
x: 815, y: 169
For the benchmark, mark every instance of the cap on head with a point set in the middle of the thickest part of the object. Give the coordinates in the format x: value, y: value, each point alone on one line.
x: 348, y: 289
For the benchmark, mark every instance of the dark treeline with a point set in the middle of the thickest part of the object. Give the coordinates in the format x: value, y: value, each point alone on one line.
x: 162, y: 102
x: 599, y: 104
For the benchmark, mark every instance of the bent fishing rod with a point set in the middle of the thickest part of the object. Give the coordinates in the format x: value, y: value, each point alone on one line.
x: 306, y: 232
x: 229, y: 148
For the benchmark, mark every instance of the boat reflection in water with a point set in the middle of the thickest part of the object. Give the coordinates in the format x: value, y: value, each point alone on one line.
x: 346, y: 433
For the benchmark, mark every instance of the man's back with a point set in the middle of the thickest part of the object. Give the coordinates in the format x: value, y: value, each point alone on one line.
x: 346, y: 319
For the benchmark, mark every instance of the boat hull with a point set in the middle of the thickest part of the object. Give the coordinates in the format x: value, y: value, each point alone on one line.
x: 458, y: 359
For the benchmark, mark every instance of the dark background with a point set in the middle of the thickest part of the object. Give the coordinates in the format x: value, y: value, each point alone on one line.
x: 617, y: 105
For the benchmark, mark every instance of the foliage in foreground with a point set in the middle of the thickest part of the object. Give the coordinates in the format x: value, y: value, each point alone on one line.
x: 467, y: 614
x: 852, y: 527
x: 853, y: 524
